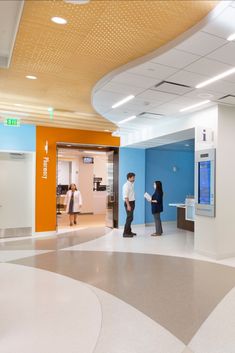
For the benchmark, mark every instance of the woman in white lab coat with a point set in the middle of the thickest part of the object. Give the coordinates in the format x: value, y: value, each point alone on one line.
x: 73, y: 202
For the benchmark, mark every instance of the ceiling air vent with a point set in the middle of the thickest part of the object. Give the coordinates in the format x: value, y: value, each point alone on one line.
x: 150, y: 115
x: 17, y: 155
x: 172, y: 87
x: 229, y: 98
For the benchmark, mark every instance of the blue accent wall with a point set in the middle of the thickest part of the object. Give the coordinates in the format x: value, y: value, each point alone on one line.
x: 176, y: 184
x: 132, y: 160
x: 21, y: 138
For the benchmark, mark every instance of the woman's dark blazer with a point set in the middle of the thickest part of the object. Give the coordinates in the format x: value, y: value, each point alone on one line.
x: 157, y: 207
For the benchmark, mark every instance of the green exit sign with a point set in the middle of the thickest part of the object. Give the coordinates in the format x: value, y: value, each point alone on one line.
x: 12, y: 122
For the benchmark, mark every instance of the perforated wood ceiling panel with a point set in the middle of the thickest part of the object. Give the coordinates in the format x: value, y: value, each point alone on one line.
x: 99, y: 37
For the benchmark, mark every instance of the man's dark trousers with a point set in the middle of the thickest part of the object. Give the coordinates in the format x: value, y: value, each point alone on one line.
x: 129, y: 217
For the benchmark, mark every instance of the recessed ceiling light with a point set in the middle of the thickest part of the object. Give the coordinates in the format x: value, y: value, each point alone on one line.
x: 195, y: 105
x: 205, y: 95
x: 123, y: 101
x: 59, y: 20
x: 216, y: 78
x: 30, y: 77
x: 231, y: 37
x: 127, y: 119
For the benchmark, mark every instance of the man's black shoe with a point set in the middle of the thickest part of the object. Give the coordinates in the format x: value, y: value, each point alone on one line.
x: 127, y: 235
x: 134, y: 234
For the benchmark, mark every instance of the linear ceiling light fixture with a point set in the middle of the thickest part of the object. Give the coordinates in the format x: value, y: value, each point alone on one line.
x: 127, y: 119
x: 30, y: 77
x: 123, y: 101
x: 195, y: 105
x: 231, y: 37
x: 216, y: 78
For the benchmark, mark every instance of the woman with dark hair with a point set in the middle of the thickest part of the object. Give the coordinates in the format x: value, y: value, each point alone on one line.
x: 157, y: 207
x: 73, y: 201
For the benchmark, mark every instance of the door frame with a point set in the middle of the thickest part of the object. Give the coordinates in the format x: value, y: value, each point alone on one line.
x: 96, y: 147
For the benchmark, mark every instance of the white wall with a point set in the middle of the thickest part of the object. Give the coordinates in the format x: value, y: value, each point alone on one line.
x: 85, y: 185
x: 215, y: 236
x: 100, y: 167
x: 225, y: 191
x: 64, y: 172
x: 17, y: 189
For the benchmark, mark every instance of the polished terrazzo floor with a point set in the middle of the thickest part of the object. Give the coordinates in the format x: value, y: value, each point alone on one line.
x: 102, y: 293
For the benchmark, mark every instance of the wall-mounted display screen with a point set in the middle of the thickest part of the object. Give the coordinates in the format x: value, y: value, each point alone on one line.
x: 88, y: 160
x: 204, y: 182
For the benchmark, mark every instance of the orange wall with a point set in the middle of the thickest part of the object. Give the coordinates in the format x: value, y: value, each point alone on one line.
x: 46, y: 188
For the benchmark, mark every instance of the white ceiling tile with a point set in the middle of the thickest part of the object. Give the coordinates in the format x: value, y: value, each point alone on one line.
x: 176, y: 58
x: 203, y: 93
x: 226, y: 54
x: 184, y: 101
x: 153, y: 70
x: 166, y: 109
x: 135, y: 80
x: 106, y: 98
x: 222, y: 86
x: 223, y: 25
x: 113, y: 115
x: 187, y: 78
x: 208, y: 67
x: 122, y: 88
x: 156, y: 96
x: 201, y: 43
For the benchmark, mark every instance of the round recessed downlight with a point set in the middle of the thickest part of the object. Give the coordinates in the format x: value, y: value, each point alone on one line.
x: 206, y: 95
x: 30, y: 77
x: 59, y: 20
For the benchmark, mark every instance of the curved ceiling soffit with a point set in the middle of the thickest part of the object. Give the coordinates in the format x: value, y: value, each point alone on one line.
x: 68, y: 61
x: 216, y: 11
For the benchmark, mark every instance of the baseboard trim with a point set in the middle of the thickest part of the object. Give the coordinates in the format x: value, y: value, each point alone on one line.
x: 15, y: 232
x: 53, y: 232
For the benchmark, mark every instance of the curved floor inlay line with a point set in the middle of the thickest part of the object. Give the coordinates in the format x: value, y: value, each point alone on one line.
x: 45, y: 312
x: 217, y: 333
x: 177, y: 293
x: 127, y: 330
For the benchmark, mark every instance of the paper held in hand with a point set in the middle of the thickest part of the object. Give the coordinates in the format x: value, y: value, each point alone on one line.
x: 147, y: 196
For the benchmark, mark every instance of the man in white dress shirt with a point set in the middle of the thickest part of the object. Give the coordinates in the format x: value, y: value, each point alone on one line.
x: 129, y: 203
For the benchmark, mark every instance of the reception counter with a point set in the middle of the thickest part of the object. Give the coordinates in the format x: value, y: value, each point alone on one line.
x: 182, y: 222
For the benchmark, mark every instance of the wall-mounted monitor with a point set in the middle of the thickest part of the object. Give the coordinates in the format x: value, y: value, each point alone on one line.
x: 205, y: 183
x: 88, y: 160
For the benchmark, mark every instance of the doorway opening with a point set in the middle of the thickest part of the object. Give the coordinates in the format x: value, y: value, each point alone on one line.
x: 94, y: 171
x: 17, y: 194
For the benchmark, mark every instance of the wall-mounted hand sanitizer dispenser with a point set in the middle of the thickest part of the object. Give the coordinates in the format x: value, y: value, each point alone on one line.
x: 205, y: 183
